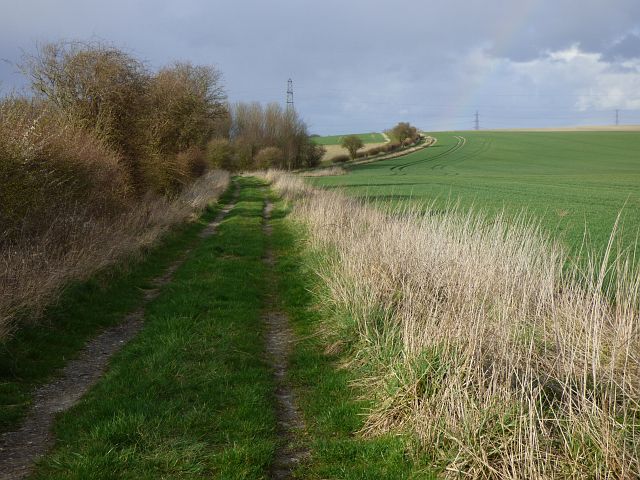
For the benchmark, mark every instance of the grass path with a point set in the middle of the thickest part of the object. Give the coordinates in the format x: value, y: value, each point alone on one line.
x: 37, y: 353
x: 229, y: 377
x: 20, y: 448
x: 190, y: 396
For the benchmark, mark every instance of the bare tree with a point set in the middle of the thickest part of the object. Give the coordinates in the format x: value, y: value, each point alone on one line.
x: 187, y: 102
x: 254, y: 128
x: 98, y: 87
x: 352, y: 143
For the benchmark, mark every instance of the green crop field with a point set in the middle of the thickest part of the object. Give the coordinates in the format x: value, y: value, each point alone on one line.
x: 574, y: 182
x: 337, y: 139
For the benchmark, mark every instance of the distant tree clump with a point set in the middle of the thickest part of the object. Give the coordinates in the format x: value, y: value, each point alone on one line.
x: 268, y: 157
x: 404, y: 131
x: 352, y: 143
x: 313, y: 154
x: 266, y: 137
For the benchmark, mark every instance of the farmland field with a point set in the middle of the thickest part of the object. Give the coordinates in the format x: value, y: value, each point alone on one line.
x: 337, y: 139
x: 568, y: 180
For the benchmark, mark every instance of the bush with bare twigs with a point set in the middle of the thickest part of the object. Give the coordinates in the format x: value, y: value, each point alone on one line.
x: 49, y: 166
x: 269, y: 157
x: 219, y: 153
x: 83, y: 164
x: 404, y: 133
x: 147, y: 118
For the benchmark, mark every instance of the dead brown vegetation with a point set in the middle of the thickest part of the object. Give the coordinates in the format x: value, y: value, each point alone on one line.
x: 33, y: 269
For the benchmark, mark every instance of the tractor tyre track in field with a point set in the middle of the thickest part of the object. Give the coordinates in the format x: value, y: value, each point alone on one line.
x: 484, y: 146
x: 20, y: 449
x: 279, y: 338
x: 460, y: 143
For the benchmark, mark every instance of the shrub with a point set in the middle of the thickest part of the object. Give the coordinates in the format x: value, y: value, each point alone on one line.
x: 219, y: 154
x: 269, y: 157
x: 402, y: 131
x: 98, y: 87
x: 186, y: 101
x: 194, y: 161
x: 148, y: 119
x: 362, y: 154
x: 313, y: 154
x: 375, y: 150
x: 342, y: 158
x: 242, y: 155
x: 352, y: 143
x: 80, y: 164
x: 171, y: 173
x: 392, y: 147
x: 50, y: 165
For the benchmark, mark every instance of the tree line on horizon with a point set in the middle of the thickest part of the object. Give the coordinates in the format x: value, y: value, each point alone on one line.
x: 402, y: 135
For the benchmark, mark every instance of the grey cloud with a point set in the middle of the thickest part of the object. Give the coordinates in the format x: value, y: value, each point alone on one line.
x: 356, y: 65
x: 627, y: 48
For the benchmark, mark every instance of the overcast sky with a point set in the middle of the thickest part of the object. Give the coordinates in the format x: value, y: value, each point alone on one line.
x: 363, y: 65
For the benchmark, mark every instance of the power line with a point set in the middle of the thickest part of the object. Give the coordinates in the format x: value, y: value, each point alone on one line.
x: 477, y: 122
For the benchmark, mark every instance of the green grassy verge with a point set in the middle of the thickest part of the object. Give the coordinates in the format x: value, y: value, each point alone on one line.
x: 190, y: 397
x: 332, y: 408
x: 569, y: 181
x: 38, y: 351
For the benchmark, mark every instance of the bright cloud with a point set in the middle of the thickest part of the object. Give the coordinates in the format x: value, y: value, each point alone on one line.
x: 595, y: 82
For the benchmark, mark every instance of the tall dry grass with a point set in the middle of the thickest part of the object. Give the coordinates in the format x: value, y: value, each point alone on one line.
x: 325, y: 172
x: 34, y: 269
x: 479, y: 337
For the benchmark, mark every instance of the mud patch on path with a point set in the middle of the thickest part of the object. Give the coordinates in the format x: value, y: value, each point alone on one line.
x: 19, y: 450
x: 279, y: 338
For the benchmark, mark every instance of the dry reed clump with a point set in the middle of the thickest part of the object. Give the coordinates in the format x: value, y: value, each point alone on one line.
x: 34, y: 269
x: 473, y: 334
x: 325, y: 172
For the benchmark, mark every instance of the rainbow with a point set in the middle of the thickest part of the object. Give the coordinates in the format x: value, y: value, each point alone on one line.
x: 468, y: 102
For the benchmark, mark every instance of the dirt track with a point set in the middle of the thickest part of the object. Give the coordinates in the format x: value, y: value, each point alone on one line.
x: 279, y: 339
x: 19, y: 450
